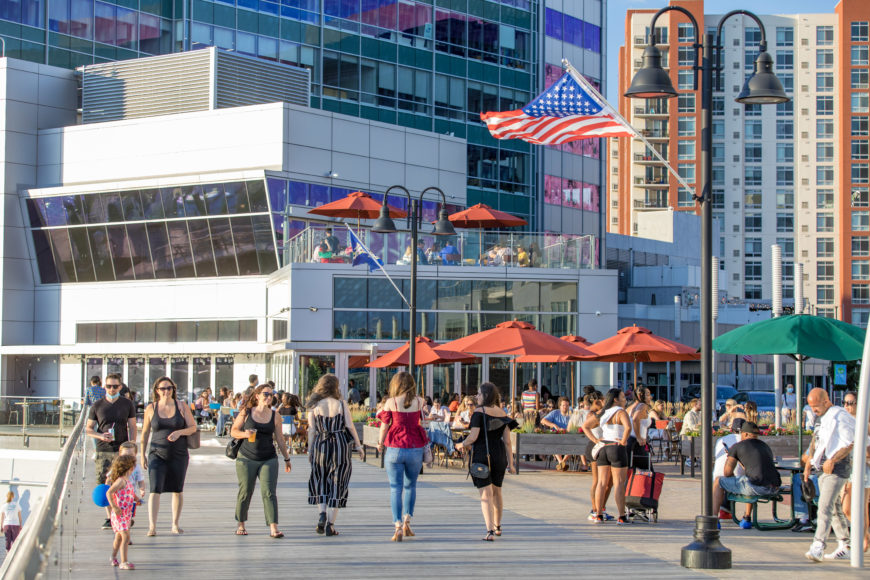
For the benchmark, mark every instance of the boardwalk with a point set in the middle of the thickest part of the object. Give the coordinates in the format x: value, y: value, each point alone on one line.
x: 545, y: 533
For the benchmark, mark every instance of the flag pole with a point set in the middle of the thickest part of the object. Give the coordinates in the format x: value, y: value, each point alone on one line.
x: 378, y: 262
x: 603, y: 102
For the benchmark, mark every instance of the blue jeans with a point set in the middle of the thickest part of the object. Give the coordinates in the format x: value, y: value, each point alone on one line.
x: 740, y: 485
x: 403, y: 466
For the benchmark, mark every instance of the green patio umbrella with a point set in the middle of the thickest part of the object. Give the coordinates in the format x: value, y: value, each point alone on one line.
x: 800, y: 336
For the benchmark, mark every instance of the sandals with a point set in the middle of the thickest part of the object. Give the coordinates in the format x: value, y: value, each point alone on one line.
x: 406, y: 529
x: 113, y: 562
x: 241, y: 531
x: 151, y: 532
x: 330, y: 530
x: 489, y: 537
x: 176, y: 531
x: 321, y: 523
x: 498, y: 530
x: 277, y: 536
x: 127, y: 566
x: 397, y: 537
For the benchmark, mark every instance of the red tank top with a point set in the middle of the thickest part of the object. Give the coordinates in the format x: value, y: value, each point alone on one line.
x: 404, y: 431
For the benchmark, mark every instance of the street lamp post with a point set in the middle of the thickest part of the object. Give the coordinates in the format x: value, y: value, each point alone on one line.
x: 652, y: 81
x: 443, y: 227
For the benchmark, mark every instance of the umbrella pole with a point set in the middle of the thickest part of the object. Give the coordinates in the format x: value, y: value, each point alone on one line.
x: 799, y: 389
x: 635, y: 372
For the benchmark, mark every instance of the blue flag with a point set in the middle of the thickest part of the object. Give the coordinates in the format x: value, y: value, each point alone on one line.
x: 362, y: 255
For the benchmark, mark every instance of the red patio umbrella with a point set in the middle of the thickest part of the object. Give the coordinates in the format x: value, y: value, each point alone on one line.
x: 359, y: 205
x: 554, y: 358
x: 483, y: 217
x: 426, y: 352
x: 637, y: 344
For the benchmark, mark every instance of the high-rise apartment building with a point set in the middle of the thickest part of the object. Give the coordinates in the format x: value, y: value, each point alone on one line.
x: 794, y: 174
x: 433, y: 65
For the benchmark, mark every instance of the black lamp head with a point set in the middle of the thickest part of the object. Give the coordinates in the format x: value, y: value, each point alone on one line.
x: 443, y: 227
x: 651, y: 81
x: 763, y: 87
x: 384, y: 224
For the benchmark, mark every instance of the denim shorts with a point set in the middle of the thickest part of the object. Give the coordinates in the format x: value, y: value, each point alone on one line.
x: 740, y: 485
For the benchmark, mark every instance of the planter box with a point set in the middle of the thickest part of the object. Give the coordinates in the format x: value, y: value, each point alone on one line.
x: 547, y: 444
x: 786, y: 445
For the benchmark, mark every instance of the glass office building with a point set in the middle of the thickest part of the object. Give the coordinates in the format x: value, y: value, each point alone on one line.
x: 427, y: 64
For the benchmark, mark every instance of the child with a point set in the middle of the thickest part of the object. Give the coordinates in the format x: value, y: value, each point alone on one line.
x: 122, y: 497
x: 128, y: 448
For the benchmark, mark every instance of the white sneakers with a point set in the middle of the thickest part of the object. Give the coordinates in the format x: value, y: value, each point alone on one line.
x: 816, y: 553
x: 843, y: 552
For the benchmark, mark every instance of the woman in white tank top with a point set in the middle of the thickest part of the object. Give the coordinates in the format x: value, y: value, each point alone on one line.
x: 612, y: 458
x: 638, y: 412
x: 593, y: 431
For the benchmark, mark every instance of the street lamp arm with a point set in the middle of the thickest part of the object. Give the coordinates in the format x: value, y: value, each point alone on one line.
x: 697, y: 46
x: 433, y: 188
x: 762, y: 45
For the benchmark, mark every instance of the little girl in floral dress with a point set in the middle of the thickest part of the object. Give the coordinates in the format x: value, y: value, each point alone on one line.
x: 122, y: 498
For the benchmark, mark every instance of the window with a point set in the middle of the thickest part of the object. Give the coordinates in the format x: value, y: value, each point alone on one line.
x: 784, y: 36
x: 785, y: 152
x: 860, y: 127
x: 787, y: 245
x: 752, y: 199
x: 860, y: 102
x: 752, y: 175
x: 859, y: 32
x: 752, y: 292
x: 685, y: 56
x: 825, y: 199
x: 824, y: 82
x: 824, y: 152
x: 685, y: 149
x: 752, y: 270
x: 860, y: 270
x: 661, y: 34
x: 824, y: 58
x: 825, y: 294
x: 686, y: 127
x: 825, y: 271
x: 686, y: 103
x: 718, y: 105
x: 860, y: 197
x: 785, y: 109
x: 825, y: 105
x: 787, y: 80
x: 860, y: 246
x: 718, y: 129
x: 752, y: 128
x: 824, y: 247
x: 685, y: 198
x: 685, y: 32
x: 718, y: 176
x: 861, y: 221
x: 784, y: 222
x: 860, y: 173
x: 718, y: 153
x: 751, y: 36
x: 752, y: 153
x: 752, y: 247
x: 860, y: 56
x: 824, y: 175
x: 784, y: 175
x: 788, y: 270
x: 824, y: 129
x: 784, y: 199
x: 784, y: 60
x: 824, y: 222
x: 784, y: 129
x: 824, y: 35
x: 686, y: 171
x: 752, y: 222
x: 686, y: 79
x: 719, y: 201
x: 752, y: 110
x: 860, y: 78
x: 861, y: 294
x: 860, y: 149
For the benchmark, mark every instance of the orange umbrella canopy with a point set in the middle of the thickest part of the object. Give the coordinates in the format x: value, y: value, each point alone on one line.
x: 516, y: 338
x: 573, y: 338
x: 555, y: 358
x: 481, y: 216
x: 359, y: 205
x: 426, y: 352
x: 638, y: 344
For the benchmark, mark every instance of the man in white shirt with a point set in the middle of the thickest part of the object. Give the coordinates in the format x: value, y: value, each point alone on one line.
x: 830, y: 450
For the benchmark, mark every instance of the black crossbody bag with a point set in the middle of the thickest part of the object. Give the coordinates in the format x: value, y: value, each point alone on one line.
x: 481, y: 470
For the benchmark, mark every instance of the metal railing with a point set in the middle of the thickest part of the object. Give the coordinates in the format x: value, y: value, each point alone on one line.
x: 47, y: 542
x: 40, y: 416
x: 473, y: 248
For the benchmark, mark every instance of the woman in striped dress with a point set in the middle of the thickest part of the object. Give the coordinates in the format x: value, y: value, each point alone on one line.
x: 329, y: 422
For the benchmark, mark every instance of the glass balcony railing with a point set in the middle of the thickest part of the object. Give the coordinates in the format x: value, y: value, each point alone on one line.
x: 466, y: 248
x: 37, y: 415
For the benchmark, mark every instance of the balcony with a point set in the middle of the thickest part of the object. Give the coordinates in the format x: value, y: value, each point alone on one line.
x: 474, y: 248
x: 647, y: 159
x: 647, y: 112
x: 650, y: 203
x: 655, y: 134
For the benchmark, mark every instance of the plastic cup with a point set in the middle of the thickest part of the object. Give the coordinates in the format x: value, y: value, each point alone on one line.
x: 252, y: 438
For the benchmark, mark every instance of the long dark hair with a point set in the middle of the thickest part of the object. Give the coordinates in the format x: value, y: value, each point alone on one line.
x: 610, y: 398
x: 640, y: 394
x: 326, y: 388
x: 489, y: 395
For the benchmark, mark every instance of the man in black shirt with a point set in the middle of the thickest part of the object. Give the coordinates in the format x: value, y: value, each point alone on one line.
x: 111, y: 421
x: 761, y: 476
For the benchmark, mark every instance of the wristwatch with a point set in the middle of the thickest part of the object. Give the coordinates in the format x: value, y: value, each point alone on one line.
x: 286, y: 460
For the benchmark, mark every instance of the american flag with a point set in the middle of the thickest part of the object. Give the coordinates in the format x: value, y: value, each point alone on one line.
x: 567, y: 111
x: 747, y: 359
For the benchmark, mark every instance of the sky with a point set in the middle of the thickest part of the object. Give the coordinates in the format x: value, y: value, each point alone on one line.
x: 616, y: 10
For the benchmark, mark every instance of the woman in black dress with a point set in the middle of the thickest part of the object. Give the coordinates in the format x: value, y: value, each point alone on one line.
x: 491, y: 420
x: 171, y: 422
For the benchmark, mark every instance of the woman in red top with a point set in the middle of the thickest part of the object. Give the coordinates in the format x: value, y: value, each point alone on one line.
x: 404, y: 439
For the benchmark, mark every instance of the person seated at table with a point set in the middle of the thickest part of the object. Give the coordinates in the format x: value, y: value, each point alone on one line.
x: 449, y: 255
x: 462, y: 419
x: 523, y: 257
x: 323, y: 253
x: 729, y: 419
x: 433, y: 254
x: 692, y: 418
x: 761, y: 478
x: 427, y: 405
x: 421, y: 254
x: 557, y: 419
x: 547, y: 407
x: 506, y: 254
x: 438, y: 413
x: 453, y: 405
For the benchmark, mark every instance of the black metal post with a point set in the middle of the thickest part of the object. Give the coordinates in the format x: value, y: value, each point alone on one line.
x: 706, y: 551
x: 412, y: 327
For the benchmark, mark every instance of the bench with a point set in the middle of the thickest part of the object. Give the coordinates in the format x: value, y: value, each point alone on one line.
x: 773, y: 499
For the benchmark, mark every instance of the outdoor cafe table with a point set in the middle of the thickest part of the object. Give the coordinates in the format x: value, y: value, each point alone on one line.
x: 25, y: 406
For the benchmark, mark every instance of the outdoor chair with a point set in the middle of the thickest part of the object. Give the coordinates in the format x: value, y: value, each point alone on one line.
x: 773, y: 499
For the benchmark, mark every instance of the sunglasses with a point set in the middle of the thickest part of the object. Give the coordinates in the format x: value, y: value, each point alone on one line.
x: 113, y: 386
x: 850, y: 403
x: 164, y: 388
x: 267, y: 393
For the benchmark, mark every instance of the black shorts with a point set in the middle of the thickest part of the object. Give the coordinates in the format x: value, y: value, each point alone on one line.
x: 588, y: 452
x: 613, y: 455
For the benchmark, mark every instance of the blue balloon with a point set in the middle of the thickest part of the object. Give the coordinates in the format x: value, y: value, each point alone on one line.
x: 99, y: 495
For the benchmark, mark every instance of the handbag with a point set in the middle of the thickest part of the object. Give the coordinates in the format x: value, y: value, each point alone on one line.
x: 428, y: 456
x: 232, y: 450
x: 481, y: 470
x: 193, y: 440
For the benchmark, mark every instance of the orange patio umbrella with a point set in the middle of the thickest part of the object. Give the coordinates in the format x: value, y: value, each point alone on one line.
x: 483, y: 217
x: 426, y: 352
x: 637, y: 344
x: 561, y: 358
x: 357, y: 204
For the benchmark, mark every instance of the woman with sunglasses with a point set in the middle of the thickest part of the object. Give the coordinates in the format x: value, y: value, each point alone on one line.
x: 260, y: 427
x: 170, y: 422
x: 850, y: 403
